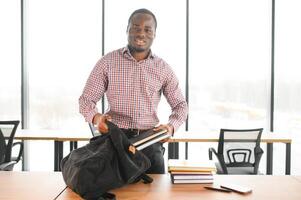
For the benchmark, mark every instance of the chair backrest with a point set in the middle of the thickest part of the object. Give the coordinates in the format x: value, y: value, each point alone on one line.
x: 7, y: 130
x: 238, y: 147
x: 94, y: 131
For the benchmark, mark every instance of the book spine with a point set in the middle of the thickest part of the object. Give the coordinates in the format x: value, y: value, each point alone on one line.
x: 192, y: 181
x: 190, y: 169
x: 198, y: 177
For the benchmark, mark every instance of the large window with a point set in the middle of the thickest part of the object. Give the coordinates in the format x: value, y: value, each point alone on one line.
x: 10, y: 60
x: 287, y: 74
x: 63, y: 45
x: 62, y: 50
x: 229, y: 64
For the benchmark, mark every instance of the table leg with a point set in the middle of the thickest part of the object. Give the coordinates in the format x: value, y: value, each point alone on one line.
x: 58, y: 154
x: 288, y: 159
x: 55, y: 156
x: 24, y: 157
x: 269, y: 158
x: 173, y: 150
x: 73, y: 145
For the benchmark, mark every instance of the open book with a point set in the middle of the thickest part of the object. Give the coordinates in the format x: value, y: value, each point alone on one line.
x: 148, y: 138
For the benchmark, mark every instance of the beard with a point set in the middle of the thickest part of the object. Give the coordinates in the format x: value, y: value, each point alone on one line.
x: 137, y: 49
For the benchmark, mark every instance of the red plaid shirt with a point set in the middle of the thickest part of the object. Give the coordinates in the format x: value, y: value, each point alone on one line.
x: 133, y: 90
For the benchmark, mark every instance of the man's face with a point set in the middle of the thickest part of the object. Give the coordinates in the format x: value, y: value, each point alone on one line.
x: 141, y: 32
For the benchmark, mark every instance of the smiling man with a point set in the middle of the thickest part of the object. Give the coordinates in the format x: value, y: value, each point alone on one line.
x: 133, y: 79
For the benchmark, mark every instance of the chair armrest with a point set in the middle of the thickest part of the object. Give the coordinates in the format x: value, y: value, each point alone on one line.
x: 20, y: 150
x: 7, y: 166
x: 210, y: 153
x: 258, y: 153
x: 220, y: 160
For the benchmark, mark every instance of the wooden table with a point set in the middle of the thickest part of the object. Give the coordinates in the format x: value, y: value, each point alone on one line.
x: 30, y: 185
x: 60, y: 136
x: 297, y: 177
x: 264, y: 187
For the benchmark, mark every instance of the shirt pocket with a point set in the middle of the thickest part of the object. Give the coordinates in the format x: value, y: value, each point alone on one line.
x: 153, y: 86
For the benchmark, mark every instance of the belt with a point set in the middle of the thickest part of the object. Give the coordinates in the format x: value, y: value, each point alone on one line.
x: 132, y: 132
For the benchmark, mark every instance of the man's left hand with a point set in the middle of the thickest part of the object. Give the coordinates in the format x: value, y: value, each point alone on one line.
x: 169, y: 129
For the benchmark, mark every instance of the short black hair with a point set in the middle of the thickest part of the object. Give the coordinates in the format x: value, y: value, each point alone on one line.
x: 143, y: 11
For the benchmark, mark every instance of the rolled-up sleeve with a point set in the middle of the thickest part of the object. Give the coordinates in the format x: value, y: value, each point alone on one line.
x: 94, y: 90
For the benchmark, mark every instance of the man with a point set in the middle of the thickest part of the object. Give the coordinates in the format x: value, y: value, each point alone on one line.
x: 133, y: 79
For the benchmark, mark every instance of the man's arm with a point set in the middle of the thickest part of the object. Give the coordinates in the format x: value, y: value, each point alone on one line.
x: 176, y: 100
x: 94, y: 89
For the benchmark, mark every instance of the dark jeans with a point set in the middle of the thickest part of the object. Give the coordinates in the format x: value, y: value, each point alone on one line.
x: 154, y: 152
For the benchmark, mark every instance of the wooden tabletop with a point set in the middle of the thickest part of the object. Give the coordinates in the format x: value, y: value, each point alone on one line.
x: 297, y: 178
x: 264, y: 188
x: 214, y: 137
x: 77, y: 135
x: 30, y: 185
x: 57, y: 135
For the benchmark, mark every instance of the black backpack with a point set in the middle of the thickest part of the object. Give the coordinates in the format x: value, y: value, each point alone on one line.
x: 103, y: 164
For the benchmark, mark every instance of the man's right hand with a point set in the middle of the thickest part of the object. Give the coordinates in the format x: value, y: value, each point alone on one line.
x: 101, y: 122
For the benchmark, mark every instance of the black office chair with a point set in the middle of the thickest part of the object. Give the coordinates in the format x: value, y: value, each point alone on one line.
x: 238, y: 152
x: 8, y: 130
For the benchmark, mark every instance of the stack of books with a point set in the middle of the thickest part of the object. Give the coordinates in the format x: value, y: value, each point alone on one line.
x: 190, y: 171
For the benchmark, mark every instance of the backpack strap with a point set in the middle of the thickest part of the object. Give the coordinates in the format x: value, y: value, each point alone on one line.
x: 107, y: 196
x: 146, y: 179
